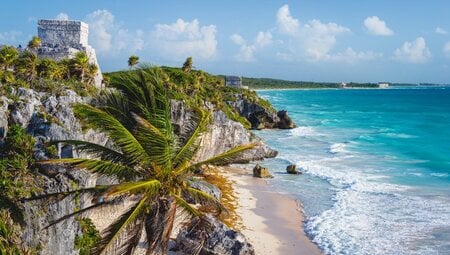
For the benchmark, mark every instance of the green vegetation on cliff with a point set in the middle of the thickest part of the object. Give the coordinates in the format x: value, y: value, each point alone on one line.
x: 196, y: 87
x: 266, y: 83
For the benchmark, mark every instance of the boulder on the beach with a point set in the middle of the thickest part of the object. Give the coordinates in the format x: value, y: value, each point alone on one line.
x: 292, y: 169
x: 209, y: 236
x: 261, y: 172
x: 285, y: 121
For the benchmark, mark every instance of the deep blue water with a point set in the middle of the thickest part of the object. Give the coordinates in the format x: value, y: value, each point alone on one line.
x: 376, y: 164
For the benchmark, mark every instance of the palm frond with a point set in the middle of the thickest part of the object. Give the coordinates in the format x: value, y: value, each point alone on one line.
x: 117, y: 132
x: 55, y: 197
x: 204, y: 198
x: 127, y: 221
x: 221, y: 159
x: 92, y: 207
x: 149, y: 187
x: 117, y: 104
x: 186, y: 206
x: 101, y: 167
x: 156, y: 143
x: 159, y: 224
x: 187, y: 151
x: 96, y: 150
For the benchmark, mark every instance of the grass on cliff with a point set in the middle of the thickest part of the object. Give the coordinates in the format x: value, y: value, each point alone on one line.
x: 195, y: 87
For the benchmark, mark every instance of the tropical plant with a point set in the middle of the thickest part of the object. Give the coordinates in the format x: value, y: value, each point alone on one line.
x: 80, y: 65
x: 91, y: 72
x: 47, y: 68
x: 187, y: 66
x: 151, y: 163
x: 26, y: 65
x: 133, y: 61
x: 34, y: 43
x: 8, y: 56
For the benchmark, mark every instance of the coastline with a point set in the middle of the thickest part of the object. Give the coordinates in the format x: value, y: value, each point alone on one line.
x: 272, y: 221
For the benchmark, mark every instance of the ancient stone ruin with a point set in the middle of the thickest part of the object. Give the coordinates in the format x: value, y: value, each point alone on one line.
x: 63, y: 39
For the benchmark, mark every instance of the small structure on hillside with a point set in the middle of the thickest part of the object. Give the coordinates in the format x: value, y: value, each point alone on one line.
x: 233, y: 81
x: 383, y: 85
x: 63, y: 39
x: 343, y: 85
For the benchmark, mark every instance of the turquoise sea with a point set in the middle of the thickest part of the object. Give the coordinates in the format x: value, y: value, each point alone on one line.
x: 376, y: 166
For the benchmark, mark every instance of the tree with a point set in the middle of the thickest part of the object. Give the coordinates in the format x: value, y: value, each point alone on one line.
x: 8, y: 56
x: 34, y: 43
x: 91, y: 72
x: 187, y: 66
x: 80, y: 65
x: 47, y: 68
x: 133, y: 61
x: 151, y: 163
x: 26, y: 65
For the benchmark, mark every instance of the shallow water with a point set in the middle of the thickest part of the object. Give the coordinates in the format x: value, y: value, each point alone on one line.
x: 376, y: 164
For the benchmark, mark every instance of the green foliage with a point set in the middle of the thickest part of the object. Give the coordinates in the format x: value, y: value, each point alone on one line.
x: 34, y: 43
x: 89, y: 237
x: 9, y: 235
x: 265, y: 83
x: 187, y: 65
x: 150, y: 162
x: 8, y: 56
x: 133, y: 60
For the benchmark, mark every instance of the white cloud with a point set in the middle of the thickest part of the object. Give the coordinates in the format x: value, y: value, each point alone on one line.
x: 107, y: 37
x: 62, y: 16
x: 286, y: 23
x: 440, y: 30
x: 100, y: 30
x: 413, y: 52
x: 247, y: 51
x: 447, y: 49
x: 320, y: 38
x: 376, y: 26
x: 183, y: 39
x: 351, y: 56
x: 314, y: 38
x: 10, y: 37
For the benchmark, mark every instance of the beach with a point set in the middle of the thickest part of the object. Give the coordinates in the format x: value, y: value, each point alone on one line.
x: 272, y: 221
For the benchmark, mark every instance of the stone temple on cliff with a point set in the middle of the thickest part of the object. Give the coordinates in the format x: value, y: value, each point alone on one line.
x: 63, y: 39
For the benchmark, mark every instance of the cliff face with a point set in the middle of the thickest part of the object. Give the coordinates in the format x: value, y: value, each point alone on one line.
x: 50, y: 117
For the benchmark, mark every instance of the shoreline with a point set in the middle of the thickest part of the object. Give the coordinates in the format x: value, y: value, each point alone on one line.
x: 272, y: 221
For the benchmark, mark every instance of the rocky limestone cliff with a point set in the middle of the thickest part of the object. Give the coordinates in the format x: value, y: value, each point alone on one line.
x: 260, y: 117
x: 50, y: 117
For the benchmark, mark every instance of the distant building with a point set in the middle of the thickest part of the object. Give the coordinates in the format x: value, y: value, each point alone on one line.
x: 63, y: 39
x: 343, y: 85
x: 383, y: 85
x: 233, y: 81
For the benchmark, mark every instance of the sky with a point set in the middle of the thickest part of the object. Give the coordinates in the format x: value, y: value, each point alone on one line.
x: 308, y: 40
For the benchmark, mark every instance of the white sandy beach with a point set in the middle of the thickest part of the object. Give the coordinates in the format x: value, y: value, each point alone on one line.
x: 272, y: 221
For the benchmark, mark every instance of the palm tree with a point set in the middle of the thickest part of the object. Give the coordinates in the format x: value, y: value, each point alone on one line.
x: 91, y: 72
x: 80, y: 64
x: 8, y: 56
x: 133, y: 61
x: 26, y: 65
x: 187, y: 66
x: 47, y: 68
x: 151, y: 163
x: 34, y: 43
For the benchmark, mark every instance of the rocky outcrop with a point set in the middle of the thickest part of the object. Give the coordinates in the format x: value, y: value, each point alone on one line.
x: 221, y: 135
x: 285, y: 121
x: 260, y: 117
x: 292, y: 169
x: 4, y: 102
x: 213, y: 239
x: 261, y: 172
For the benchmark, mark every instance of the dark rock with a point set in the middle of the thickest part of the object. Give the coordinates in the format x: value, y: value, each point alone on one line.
x: 285, y: 121
x: 209, y: 236
x: 258, y: 116
x: 291, y: 169
x: 261, y: 172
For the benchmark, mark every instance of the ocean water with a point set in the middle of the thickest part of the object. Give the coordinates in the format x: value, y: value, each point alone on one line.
x: 376, y: 167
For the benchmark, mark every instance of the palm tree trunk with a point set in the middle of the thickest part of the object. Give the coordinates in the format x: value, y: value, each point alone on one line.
x: 159, y: 225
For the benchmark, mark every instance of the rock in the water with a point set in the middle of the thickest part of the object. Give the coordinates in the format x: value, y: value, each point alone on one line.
x: 285, y: 121
x: 212, y: 237
x: 261, y: 172
x: 292, y: 169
